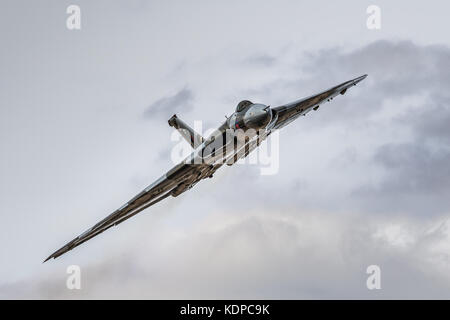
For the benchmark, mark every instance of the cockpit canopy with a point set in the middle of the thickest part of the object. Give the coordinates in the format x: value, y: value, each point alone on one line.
x: 242, y: 105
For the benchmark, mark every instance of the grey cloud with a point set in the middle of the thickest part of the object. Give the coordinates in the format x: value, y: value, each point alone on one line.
x: 166, y: 106
x: 416, y: 170
x: 417, y: 179
x: 430, y: 124
x: 259, y: 60
x: 266, y: 255
x: 396, y: 70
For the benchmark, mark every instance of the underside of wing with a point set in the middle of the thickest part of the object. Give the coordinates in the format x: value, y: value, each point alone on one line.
x: 174, y: 182
x: 291, y: 111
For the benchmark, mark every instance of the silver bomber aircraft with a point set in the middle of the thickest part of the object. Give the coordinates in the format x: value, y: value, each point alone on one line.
x: 226, y: 145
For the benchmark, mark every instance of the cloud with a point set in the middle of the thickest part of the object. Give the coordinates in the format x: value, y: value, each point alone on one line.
x: 166, y: 106
x: 259, y: 60
x: 362, y: 181
x: 396, y: 69
x: 414, y: 169
x: 369, y: 187
x: 407, y: 93
x: 382, y: 147
x: 270, y: 255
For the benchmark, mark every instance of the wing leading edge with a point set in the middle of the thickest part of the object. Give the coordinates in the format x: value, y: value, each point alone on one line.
x: 172, y: 183
x: 291, y: 111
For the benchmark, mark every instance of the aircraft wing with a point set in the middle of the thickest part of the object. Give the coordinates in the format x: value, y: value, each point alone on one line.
x: 179, y: 179
x: 291, y: 111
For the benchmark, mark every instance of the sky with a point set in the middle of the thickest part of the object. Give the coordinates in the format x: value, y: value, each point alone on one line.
x: 362, y: 181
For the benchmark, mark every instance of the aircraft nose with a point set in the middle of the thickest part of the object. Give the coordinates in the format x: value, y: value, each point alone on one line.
x: 257, y: 118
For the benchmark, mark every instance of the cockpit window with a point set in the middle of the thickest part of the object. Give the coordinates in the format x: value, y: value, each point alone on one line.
x: 241, y: 106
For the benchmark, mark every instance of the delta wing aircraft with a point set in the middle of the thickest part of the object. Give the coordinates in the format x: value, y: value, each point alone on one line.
x: 241, y: 133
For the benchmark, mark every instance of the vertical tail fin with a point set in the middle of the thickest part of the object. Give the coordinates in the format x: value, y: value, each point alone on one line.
x: 187, y: 132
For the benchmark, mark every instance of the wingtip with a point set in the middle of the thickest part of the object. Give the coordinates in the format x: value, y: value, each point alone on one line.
x: 359, y: 79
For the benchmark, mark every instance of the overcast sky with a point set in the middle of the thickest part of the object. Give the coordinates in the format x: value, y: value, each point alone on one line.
x: 362, y: 181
